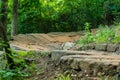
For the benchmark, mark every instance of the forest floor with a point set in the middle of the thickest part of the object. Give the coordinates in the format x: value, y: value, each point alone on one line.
x: 46, y: 69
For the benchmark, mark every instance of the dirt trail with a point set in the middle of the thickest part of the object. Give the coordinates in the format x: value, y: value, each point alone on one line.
x: 43, y: 42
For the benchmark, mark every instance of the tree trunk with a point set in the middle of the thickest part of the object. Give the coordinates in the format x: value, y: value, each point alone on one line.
x: 14, y: 18
x: 3, y: 32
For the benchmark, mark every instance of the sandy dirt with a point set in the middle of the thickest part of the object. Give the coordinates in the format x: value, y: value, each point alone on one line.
x: 43, y: 42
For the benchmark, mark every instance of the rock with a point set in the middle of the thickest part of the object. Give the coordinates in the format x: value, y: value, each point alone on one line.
x: 92, y: 46
x: 118, y: 69
x: 67, y: 46
x: 112, y: 47
x: 77, y: 47
x: 84, y: 65
x: 90, y: 68
x: 89, y: 47
x: 88, y: 63
x: 56, y: 54
x: 118, y: 50
x: 101, y: 47
x: 75, y: 65
x: 16, y: 48
x: 85, y: 47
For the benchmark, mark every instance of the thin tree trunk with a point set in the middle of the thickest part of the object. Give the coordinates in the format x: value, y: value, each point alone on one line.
x: 3, y: 32
x: 14, y: 18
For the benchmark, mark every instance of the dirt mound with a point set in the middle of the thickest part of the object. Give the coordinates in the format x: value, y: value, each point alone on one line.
x: 43, y: 42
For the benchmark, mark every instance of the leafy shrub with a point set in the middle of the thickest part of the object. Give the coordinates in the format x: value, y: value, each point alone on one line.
x: 15, y: 74
x: 88, y: 38
x: 21, y: 70
x: 104, y: 35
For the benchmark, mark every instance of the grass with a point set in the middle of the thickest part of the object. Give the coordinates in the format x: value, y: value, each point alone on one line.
x: 63, y: 77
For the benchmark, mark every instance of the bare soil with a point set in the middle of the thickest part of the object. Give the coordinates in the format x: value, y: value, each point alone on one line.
x: 43, y: 42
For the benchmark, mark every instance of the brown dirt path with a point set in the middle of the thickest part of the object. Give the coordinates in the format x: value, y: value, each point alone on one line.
x: 43, y: 42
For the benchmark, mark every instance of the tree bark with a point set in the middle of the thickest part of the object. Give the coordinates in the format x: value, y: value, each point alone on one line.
x: 3, y: 32
x: 14, y: 18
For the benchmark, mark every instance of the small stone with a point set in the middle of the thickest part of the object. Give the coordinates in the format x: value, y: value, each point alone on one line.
x: 112, y: 47
x: 57, y: 54
x: 80, y: 75
x: 85, y: 47
x: 67, y: 46
x: 101, y: 47
x: 86, y: 75
x: 80, y: 48
x: 99, y: 74
x: 75, y: 65
x: 73, y: 75
x: 91, y: 46
x: 118, y: 50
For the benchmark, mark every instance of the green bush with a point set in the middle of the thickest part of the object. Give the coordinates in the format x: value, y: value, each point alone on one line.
x: 15, y: 74
x: 104, y: 35
x: 64, y: 15
x: 22, y: 69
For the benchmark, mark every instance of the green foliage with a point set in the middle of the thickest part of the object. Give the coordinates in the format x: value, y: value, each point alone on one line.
x: 18, y: 56
x: 104, y: 35
x: 63, y: 77
x: 12, y: 74
x: 22, y: 68
x: 10, y: 2
x: 87, y: 27
x: 88, y: 38
x: 64, y: 15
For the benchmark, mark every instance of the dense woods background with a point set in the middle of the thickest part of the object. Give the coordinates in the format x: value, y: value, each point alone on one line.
x: 64, y: 15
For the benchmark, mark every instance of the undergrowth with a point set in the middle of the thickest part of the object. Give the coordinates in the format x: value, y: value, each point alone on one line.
x: 105, y: 34
x: 22, y: 68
